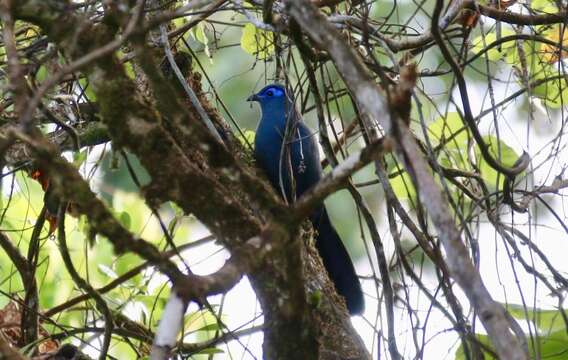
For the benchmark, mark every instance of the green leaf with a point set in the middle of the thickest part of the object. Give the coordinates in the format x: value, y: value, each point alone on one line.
x: 484, y: 339
x: 547, y: 321
x: 138, y: 217
x: 129, y: 68
x: 122, y: 350
x: 198, y: 33
x: 496, y: 53
x: 88, y: 90
x: 180, y: 21
x: 79, y: 158
x: 125, y: 219
x: 403, y: 187
x: 451, y: 132
x: 41, y: 74
x: 551, y: 341
x: 246, y: 137
x: 257, y: 42
x: 126, y: 262
x: 401, y: 183
x: 544, y: 6
x: 315, y: 299
x: 177, y: 209
x: 209, y: 327
x: 502, y: 153
x: 554, y: 93
x: 211, y: 351
x: 449, y: 128
x: 512, y: 57
x: 553, y: 346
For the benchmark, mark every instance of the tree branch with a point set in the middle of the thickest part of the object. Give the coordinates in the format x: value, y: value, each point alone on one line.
x: 371, y: 102
x: 331, y: 182
x: 520, y: 19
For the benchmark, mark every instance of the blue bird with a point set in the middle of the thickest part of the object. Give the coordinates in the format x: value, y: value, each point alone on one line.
x: 280, y: 120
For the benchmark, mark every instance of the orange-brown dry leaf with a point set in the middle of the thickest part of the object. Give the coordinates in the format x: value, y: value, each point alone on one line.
x: 41, y: 177
x: 48, y: 346
x: 468, y: 18
x: 10, y: 319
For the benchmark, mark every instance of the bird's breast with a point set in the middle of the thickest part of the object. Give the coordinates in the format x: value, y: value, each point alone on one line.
x: 300, y: 158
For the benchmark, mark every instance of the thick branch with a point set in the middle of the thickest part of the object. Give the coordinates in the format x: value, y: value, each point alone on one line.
x: 90, y: 134
x: 188, y: 166
x: 520, y: 19
x: 242, y: 260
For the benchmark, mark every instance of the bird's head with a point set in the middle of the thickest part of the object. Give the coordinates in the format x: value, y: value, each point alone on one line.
x: 272, y: 98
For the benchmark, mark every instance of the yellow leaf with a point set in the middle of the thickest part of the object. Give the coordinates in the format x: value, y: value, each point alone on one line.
x: 552, y: 53
x: 257, y: 42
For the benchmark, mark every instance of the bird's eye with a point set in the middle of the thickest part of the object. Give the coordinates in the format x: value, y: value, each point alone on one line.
x: 269, y: 93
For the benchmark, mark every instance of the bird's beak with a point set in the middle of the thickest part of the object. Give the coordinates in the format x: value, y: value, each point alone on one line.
x: 253, y: 97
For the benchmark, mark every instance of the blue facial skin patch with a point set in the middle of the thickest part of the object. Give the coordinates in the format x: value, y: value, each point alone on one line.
x: 273, y: 91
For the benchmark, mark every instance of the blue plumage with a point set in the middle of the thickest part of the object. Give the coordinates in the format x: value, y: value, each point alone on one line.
x: 281, y: 120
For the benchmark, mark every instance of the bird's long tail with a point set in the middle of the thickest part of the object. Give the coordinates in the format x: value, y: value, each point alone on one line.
x: 337, y: 261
